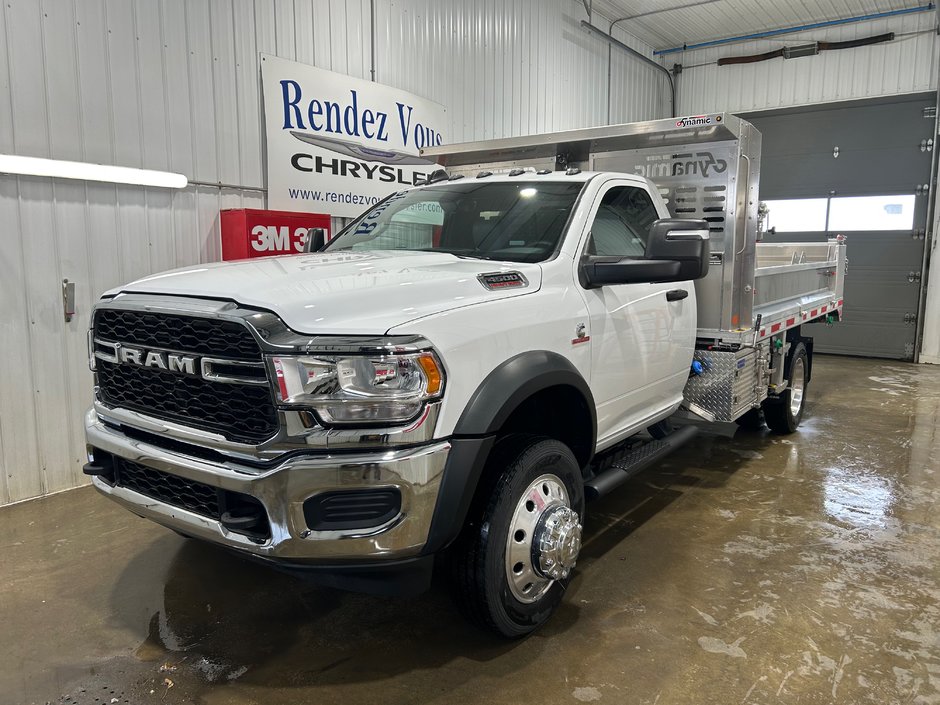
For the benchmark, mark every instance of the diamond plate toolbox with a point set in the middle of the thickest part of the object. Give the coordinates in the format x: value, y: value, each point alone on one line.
x: 729, y: 384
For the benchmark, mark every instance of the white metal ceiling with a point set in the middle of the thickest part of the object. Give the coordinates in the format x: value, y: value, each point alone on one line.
x: 673, y: 23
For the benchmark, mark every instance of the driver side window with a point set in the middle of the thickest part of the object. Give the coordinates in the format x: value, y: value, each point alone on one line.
x: 622, y: 223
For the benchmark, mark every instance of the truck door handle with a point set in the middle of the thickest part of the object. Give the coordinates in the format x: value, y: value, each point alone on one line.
x: 676, y: 294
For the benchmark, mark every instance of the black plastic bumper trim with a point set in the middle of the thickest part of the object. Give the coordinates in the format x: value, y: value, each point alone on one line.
x: 400, y: 578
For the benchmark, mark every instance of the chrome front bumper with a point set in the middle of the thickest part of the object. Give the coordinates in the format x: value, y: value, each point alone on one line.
x: 282, y: 489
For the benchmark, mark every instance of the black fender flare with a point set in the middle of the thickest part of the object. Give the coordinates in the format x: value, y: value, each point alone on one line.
x: 495, y: 399
x: 514, y: 381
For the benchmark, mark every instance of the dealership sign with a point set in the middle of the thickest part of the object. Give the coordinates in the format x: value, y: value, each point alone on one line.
x: 337, y: 144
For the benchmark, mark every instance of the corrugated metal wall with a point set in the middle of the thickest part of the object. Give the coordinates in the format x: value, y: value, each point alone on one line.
x: 174, y: 85
x: 906, y: 65
x: 505, y: 68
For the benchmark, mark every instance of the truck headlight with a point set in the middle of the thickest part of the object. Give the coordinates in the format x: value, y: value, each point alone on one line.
x: 359, y: 389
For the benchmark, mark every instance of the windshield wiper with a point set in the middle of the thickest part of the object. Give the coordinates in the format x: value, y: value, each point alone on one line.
x: 472, y: 256
x: 461, y: 255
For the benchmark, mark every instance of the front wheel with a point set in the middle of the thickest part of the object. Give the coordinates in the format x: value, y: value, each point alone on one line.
x: 514, y: 561
x: 784, y: 413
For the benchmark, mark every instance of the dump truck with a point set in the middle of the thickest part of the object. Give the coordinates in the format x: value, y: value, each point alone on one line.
x: 446, y: 380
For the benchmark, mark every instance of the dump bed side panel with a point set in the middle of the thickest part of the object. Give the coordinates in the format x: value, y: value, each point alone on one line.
x: 718, y: 182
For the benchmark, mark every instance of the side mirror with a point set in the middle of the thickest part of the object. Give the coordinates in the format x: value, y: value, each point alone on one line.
x: 316, y: 239
x: 598, y: 271
x: 683, y: 241
x: 677, y: 250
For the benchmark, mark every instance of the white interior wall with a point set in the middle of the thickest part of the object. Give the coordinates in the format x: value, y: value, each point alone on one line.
x: 908, y: 64
x: 174, y: 85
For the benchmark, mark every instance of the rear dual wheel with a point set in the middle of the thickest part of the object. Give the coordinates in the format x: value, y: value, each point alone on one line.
x: 514, y: 561
x: 784, y: 412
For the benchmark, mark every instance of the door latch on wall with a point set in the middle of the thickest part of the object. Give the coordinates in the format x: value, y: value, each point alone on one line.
x: 926, y: 145
x: 910, y: 318
x: 68, y: 299
x: 913, y: 277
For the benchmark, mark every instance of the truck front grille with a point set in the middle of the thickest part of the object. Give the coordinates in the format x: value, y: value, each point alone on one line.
x: 196, y: 497
x: 203, y: 336
x: 242, y: 413
x: 192, y: 496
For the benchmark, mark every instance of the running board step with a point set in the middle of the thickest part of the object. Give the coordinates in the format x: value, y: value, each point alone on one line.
x: 636, y: 460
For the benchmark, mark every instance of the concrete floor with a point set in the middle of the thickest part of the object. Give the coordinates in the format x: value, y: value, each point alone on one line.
x: 761, y: 569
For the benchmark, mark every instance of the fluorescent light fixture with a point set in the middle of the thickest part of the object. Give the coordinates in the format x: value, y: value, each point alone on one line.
x: 56, y: 168
x: 528, y: 192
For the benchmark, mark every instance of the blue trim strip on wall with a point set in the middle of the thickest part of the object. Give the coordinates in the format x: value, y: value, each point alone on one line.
x: 800, y: 28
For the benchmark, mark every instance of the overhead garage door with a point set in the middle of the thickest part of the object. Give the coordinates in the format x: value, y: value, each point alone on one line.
x: 860, y: 170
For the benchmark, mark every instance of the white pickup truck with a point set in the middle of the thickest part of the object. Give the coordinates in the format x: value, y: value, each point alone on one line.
x: 438, y: 380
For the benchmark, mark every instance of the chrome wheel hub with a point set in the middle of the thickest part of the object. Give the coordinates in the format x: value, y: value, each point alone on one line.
x: 797, y: 385
x: 559, y: 541
x: 544, y: 539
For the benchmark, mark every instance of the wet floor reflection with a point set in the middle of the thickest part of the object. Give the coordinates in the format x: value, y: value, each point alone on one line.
x: 755, y: 569
x: 857, y: 498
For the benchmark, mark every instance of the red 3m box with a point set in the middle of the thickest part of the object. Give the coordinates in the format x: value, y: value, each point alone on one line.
x: 251, y: 232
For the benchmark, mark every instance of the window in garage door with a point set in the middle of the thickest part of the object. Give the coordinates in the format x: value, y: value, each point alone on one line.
x: 841, y: 214
x: 797, y: 215
x: 856, y: 213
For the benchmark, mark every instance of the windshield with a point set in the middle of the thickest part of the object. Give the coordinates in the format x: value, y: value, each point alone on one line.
x: 510, y: 221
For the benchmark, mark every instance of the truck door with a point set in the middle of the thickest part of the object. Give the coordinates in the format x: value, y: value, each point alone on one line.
x: 641, y: 342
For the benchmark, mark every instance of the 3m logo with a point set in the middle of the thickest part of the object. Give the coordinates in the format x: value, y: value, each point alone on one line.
x: 273, y: 238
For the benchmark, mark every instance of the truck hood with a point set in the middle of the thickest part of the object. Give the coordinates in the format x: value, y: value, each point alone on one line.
x: 344, y: 292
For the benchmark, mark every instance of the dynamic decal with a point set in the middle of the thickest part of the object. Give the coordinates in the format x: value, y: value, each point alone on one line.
x: 703, y: 164
x: 697, y: 120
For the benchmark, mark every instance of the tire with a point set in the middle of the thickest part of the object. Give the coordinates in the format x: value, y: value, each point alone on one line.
x: 503, y: 527
x: 784, y: 412
x: 753, y: 420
